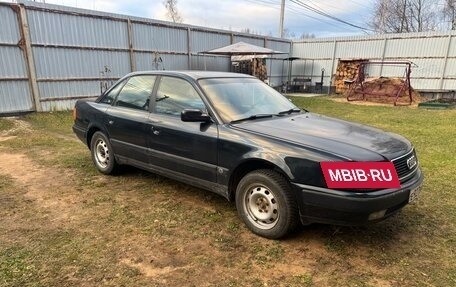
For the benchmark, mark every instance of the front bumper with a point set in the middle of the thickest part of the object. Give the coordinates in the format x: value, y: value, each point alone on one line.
x: 350, y: 208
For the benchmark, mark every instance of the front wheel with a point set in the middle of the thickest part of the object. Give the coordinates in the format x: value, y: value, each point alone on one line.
x: 265, y: 203
x: 102, y: 153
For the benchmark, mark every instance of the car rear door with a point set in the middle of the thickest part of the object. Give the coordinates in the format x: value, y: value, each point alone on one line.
x: 188, y: 148
x: 127, y: 119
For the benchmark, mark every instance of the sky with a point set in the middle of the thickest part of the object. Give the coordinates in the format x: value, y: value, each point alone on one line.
x: 260, y: 16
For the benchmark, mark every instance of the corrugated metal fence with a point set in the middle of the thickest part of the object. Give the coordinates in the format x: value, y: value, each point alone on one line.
x: 15, y: 94
x: 434, y: 54
x: 53, y: 55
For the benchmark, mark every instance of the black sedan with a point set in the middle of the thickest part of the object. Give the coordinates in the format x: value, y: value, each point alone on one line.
x: 234, y: 135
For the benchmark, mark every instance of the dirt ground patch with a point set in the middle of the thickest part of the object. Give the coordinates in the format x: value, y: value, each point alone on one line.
x: 55, y: 193
x: 42, y: 184
x: 63, y: 224
x: 370, y: 102
x: 360, y: 103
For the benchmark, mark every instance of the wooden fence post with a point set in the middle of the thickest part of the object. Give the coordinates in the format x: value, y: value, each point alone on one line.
x: 189, y: 47
x: 445, y: 62
x: 26, y: 45
x: 130, y: 46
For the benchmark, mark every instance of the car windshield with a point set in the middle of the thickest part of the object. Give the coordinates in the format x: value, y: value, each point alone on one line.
x: 236, y: 99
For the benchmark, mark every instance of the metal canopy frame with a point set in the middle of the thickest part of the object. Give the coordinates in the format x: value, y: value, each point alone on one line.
x: 241, y: 49
x: 357, y: 86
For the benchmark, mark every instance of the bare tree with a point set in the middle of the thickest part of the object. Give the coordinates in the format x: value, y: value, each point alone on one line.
x: 305, y: 35
x: 400, y: 16
x: 288, y: 34
x: 449, y: 13
x: 250, y: 31
x: 172, y: 13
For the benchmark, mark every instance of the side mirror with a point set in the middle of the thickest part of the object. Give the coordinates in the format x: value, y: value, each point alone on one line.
x: 194, y: 115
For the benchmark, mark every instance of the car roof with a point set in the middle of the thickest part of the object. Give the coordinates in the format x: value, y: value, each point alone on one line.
x: 195, y: 75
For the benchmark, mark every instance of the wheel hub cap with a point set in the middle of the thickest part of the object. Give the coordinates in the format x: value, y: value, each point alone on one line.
x: 262, y: 207
x: 102, y: 153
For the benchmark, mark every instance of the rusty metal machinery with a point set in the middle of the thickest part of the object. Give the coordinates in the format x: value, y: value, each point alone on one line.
x: 360, y: 85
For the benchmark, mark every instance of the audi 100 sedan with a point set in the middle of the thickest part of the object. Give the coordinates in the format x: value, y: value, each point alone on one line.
x: 234, y: 135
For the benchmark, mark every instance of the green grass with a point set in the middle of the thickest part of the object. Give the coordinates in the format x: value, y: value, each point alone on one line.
x: 5, y: 182
x: 5, y: 125
x: 139, y: 229
x: 430, y: 224
x: 16, y: 267
x: 60, y: 122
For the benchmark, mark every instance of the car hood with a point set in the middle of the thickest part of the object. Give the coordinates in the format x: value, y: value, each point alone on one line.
x: 346, y: 139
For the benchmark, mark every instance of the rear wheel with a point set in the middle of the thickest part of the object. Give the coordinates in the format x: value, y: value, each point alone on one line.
x: 102, y: 153
x: 265, y: 203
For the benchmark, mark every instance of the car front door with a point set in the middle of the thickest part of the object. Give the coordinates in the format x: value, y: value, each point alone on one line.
x: 127, y: 119
x: 189, y: 148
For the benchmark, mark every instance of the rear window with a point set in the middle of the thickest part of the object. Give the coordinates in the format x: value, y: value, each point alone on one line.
x: 136, y: 93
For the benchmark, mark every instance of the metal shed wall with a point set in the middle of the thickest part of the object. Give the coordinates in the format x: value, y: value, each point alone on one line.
x: 434, y: 53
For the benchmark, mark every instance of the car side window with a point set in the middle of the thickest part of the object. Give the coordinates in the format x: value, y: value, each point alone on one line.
x: 136, y: 93
x: 112, y: 94
x: 174, y: 95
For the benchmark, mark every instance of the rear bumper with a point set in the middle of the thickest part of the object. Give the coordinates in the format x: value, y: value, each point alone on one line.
x: 351, y: 208
x: 80, y: 133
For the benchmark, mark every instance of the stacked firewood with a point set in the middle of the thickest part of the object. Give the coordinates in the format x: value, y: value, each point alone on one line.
x: 347, y: 71
x: 259, y: 69
x: 254, y: 67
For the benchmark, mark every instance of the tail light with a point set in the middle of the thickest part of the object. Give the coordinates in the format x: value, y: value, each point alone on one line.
x: 75, y: 113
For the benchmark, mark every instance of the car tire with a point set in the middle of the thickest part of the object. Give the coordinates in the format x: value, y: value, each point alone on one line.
x: 266, y: 204
x: 103, y: 154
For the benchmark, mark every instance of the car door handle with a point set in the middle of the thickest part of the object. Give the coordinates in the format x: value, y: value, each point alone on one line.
x: 155, y: 131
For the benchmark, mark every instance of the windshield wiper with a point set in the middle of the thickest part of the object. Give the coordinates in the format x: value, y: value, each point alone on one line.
x: 290, y: 111
x: 253, y: 117
x: 162, y: 98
